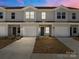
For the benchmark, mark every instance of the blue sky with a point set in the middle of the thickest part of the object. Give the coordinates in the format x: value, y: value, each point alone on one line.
x: 22, y: 2
x: 71, y: 3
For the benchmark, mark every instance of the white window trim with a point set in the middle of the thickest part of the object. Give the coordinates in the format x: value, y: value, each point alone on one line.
x: 43, y: 15
x: 27, y: 15
x: 30, y: 15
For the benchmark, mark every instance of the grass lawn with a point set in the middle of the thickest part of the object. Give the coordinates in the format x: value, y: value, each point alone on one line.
x: 4, y: 41
x: 50, y: 45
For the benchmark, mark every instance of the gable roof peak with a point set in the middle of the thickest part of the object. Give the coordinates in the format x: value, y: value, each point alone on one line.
x: 62, y: 6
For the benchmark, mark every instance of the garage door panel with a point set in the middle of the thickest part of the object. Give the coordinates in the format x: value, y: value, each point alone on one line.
x: 29, y: 31
x: 61, y: 31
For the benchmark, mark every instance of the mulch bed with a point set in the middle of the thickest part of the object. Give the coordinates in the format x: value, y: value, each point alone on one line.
x: 50, y: 45
x: 5, y: 41
x: 76, y: 38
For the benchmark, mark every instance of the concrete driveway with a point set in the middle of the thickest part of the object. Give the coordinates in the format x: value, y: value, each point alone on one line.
x: 21, y: 49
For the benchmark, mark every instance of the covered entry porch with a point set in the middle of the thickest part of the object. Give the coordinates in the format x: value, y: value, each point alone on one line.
x: 44, y: 30
x: 14, y: 30
x: 74, y: 30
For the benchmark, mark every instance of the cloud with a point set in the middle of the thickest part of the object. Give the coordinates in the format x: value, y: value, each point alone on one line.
x: 21, y: 2
x: 71, y: 3
x: 33, y: 2
x: 53, y: 2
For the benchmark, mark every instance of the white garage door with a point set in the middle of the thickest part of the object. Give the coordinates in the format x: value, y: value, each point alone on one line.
x: 29, y: 31
x: 61, y: 31
x: 3, y: 30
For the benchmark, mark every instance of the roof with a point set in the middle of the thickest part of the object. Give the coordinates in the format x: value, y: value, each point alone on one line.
x: 73, y: 8
x: 13, y: 7
x: 45, y: 7
x: 35, y: 7
x: 39, y: 8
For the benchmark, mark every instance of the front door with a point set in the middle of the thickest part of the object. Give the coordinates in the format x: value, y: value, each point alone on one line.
x: 45, y: 30
x: 14, y: 31
x: 42, y: 31
x: 70, y: 31
x: 73, y: 31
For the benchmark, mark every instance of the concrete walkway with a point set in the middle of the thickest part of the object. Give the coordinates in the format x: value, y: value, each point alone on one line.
x: 21, y: 49
x: 71, y: 43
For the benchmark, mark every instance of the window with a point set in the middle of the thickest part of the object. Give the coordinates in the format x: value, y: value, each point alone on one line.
x: 73, y: 15
x: 27, y: 15
x: 12, y: 15
x: 30, y: 15
x: 74, y: 30
x: 58, y: 15
x: 61, y: 15
x: 43, y: 15
x: 1, y: 15
x: 47, y: 30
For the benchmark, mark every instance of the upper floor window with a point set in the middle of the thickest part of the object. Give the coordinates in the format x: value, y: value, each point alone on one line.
x: 1, y: 15
x: 61, y: 15
x: 30, y: 15
x: 12, y: 15
x: 27, y: 15
x: 73, y: 15
x: 43, y: 15
x: 58, y: 15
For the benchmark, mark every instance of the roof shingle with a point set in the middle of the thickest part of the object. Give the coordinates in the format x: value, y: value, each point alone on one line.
x: 40, y: 8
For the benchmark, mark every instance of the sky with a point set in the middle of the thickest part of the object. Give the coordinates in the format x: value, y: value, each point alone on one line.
x: 70, y: 3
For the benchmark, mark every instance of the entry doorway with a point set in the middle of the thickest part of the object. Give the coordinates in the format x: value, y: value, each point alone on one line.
x: 45, y: 30
x: 42, y: 31
x: 14, y: 30
x: 74, y: 31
